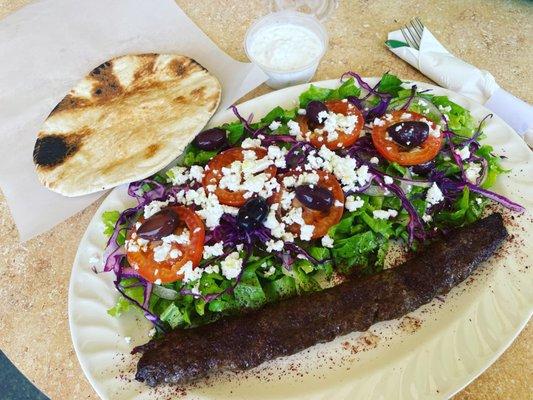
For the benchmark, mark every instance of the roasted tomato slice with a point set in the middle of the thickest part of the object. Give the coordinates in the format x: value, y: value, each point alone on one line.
x: 395, y: 152
x: 321, y: 220
x: 213, y: 174
x: 168, y: 271
x: 344, y: 139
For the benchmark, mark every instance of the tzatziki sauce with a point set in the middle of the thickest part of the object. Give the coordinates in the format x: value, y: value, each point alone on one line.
x: 285, y: 47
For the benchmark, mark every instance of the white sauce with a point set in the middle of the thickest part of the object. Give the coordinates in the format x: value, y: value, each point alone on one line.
x: 285, y: 47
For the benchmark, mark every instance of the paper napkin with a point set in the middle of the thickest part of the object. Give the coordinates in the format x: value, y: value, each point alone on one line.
x: 48, y: 46
x: 438, y: 64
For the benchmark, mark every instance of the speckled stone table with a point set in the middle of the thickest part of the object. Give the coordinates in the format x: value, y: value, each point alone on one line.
x: 494, y: 35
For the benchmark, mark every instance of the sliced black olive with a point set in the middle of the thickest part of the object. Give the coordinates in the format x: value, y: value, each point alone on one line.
x: 314, y: 197
x: 161, y: 224
x: 409, y: 133
x: 312, y: 110
x: 252, y: 213
x: 296, y: 158
x: 211, y: 139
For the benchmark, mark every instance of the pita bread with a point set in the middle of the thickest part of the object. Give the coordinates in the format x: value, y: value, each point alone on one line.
x: 127, y: 119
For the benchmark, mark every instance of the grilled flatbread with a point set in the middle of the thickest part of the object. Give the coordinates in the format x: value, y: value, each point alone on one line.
x: 127, y: 119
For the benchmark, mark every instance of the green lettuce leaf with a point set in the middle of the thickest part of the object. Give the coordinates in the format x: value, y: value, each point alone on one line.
x: 348, y: 88
x: 235, y: 131
x: 495, y: 167
x: 459, y: 119
x: 110, y: 218
x: 195, y: 156
x: 249, y: 293
x: 280, y: 288
x: 123, y: 305
x: 314, y: 93
x: 390, y: 84
x: 278, y: 114
x: 466, y: 209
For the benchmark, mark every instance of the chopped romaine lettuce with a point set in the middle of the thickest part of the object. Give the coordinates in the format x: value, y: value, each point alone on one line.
x: 390, y: 84
x: 459, y: 119
x: 348, y: 88
x: 195, y: 156
x: 494, y: 166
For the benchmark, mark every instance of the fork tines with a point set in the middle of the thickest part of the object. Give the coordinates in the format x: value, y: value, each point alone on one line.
x: 412, y: 32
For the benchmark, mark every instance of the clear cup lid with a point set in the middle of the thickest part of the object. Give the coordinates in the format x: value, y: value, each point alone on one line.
x: 320, y: 9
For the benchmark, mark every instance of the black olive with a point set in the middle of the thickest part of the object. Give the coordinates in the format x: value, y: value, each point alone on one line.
x: 423, y: 169
x: 211, y: 139
x: 296, y: 158
x: 314, y: 197
x: 409, y: 133
x: 159, y: 225
x: 312, y: 110
x: 252, y: 213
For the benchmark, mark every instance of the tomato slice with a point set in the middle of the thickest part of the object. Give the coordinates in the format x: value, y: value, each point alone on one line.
x: 168, y: 271
x: 321, y: 220
x: 344, y: 139
x: 394, y: 152
x: 213, y: 174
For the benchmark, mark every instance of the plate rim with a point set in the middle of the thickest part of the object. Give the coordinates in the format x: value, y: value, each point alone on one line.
x: 218, y: 118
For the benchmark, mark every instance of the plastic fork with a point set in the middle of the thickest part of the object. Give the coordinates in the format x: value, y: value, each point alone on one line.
x: 412, y: 32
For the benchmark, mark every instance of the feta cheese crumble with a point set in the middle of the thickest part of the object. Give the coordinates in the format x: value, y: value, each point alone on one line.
x: 345, y: 168
x: 336, y: 122
x: 353, y: 204
x: 463, y: 153
x: 161, y: 252
x: 250, y: 143
x: 427, y: 218
x: 327, y: 241
x: 306, y: 232
x: 190, y: 274
x: 154, y: 207
x: 213, y: 251
x: 231, y: 265
x: 274, y: 125
x: 274, y: 245
x: 434, y: 195
x: 294, y: 128
x: 472, y: 172
x: 384, y: 214
x: 378, y: 122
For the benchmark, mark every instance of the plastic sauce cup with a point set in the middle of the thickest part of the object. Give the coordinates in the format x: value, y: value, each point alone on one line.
x: 290, y: 74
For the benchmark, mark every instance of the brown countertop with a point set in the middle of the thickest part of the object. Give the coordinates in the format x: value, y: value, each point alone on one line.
x: 495, y: 35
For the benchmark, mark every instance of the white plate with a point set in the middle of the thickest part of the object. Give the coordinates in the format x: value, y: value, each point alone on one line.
x: 433, y: 354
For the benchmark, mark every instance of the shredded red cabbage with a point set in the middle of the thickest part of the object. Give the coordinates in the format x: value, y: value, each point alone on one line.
x: 115, y: 254
x: 369, y: 113
x: 448, y: 135
x: 496, y: 197
x: 270, y: 139
x: 246, y: 123
x: 415, y: 227
x: 362, y: 83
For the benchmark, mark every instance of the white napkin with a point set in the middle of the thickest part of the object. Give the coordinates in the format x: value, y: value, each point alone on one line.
x: 48, y: 46
x: 438, y: 64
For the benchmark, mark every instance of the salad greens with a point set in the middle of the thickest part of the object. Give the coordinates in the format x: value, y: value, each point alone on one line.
x: 360, y: 240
